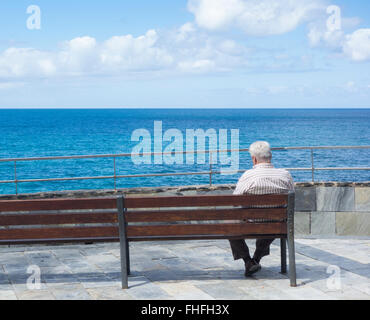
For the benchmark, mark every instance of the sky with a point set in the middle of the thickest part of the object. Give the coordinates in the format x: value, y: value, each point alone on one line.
x: 185, y: 54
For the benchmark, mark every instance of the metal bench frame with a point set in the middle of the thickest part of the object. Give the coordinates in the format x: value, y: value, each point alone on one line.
x: 32, y: 222
x: 124, y: 217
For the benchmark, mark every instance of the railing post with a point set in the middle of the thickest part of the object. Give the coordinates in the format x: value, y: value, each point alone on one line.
x: 115, y: 173
x: 312, y: 166
x: 15, y: 177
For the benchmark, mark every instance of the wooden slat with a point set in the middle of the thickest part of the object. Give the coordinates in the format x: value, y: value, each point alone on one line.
x: 207, y: 237
x: 57, y: 218
x: 57, y: 204
x: 60, y: 240
x: 58, y: 233
x: 203, y: 215
x: 207, y: 229
x: 199, y: 201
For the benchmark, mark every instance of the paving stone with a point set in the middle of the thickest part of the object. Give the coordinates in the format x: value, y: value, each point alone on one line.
x: 76, y: 292
x: 6, y: 286
x: 23, y: 287
x: 149, y: 291
x: 36, y: 295
x: 60, y: 269
x: 96, y: 280
x: 60, y: 278
x: 266, y: 292
x: 67, y: 254
x: 8, y: 295
x: 306, y: 293
x: 187, y: 270
x: 109, y: 293
x: 224, y: 291
x: 348, y: 293
x: 185, y: 291
x: 139, y: 266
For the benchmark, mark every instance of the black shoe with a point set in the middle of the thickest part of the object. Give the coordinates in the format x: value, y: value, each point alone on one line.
x: 251, y: 267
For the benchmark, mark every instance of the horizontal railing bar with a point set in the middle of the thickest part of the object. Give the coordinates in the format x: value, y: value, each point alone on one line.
x: 111, y: 177
x: 210, y: 172
x: 305, y: 169
x: 342, y: 169
x: 170, y: 174
x: 8, y: 181
x: 173, y: 153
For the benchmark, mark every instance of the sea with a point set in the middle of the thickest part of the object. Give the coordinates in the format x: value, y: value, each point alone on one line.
x: 37, y: 133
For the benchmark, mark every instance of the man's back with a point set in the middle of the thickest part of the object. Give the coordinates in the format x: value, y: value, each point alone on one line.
x: 265, y: 179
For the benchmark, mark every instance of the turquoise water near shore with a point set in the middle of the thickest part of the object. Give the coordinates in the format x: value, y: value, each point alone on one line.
x: 39, y: 133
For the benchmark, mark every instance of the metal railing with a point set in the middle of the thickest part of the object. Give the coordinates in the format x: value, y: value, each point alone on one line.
x: 211, y: 172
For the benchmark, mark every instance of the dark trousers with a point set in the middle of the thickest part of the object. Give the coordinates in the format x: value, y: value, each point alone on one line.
x: 241, y: 251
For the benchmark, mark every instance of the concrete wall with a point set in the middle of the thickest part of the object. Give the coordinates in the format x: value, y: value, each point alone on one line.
x: 333, y: 210
x: 322, y: 209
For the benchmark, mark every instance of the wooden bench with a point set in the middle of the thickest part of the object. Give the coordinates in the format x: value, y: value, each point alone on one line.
x: 58, y: 220
x: 148, y: 219
x: 211, y: 217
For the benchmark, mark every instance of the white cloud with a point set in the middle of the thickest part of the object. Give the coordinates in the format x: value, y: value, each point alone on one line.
x: 357, y: 45
x: 185, y: 49
x: 78, y: 55
x: 85, y: 56
x: 254, y: 17
x: 319, y: 35
x: 128, y: 53
x: 185, y: 31
x: 215, y: 14
x: 23, y: 62
x: 353, y: 44
x: 196, y: 66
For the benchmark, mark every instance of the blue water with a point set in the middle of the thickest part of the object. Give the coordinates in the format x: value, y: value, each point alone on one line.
x: 38, y: 133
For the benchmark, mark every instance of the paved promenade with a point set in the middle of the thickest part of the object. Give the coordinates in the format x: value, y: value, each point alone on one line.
x: 326, y: 269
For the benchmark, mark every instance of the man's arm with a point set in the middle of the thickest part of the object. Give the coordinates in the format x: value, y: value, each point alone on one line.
x: 243, y: 185
x: 291, y: 182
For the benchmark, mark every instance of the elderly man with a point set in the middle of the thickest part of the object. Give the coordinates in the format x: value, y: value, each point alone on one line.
x: 262, y: 179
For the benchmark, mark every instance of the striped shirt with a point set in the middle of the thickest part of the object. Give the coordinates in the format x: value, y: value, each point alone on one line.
x: 264, y: 178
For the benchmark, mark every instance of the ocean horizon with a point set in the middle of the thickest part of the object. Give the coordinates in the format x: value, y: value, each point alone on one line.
x: 28, y: 133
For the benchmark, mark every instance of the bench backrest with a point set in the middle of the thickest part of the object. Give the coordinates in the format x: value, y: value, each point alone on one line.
x: 146, y: 218
x: 58, y: 220
x: 206, y: 217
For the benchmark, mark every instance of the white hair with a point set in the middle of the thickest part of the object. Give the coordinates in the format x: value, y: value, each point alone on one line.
x: 261, y: 150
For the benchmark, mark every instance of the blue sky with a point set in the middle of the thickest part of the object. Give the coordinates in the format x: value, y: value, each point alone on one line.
x: 185, y: 53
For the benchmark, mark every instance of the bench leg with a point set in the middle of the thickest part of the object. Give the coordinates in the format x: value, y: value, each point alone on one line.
x: 292, y: 268
x: 291, y: 249
x: 283, y: 255
x: 124, y: 266
x: 124, y: 245
x: 128, y: 258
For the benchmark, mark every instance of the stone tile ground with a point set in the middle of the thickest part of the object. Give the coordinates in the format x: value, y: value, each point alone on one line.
x: 326, y: 269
